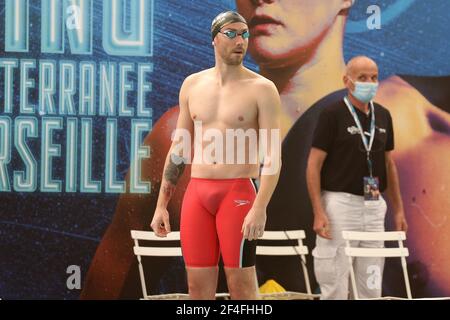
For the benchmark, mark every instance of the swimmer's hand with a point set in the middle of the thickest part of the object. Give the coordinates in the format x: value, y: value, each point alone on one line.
x: 160, y: 223
x: 254, y: 223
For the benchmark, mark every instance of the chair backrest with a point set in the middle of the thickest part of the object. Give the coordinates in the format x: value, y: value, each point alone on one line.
x: 174, y: 251
x: 280, y: 250
x: 400, y: 251
x: 283, y: 250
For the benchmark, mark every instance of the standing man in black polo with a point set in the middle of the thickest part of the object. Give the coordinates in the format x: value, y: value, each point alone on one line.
x: 349, y: 166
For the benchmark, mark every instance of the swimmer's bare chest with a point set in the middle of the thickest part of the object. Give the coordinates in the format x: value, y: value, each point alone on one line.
x: 231, y: 107
x: 215, y: 112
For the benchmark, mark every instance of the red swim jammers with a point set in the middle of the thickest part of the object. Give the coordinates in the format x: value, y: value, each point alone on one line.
x: 212, y: 215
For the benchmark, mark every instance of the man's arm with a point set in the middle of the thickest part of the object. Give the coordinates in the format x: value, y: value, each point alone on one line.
x: 315, y: 162
x: 175, y: 163
x: 393, y: 193
x: 269, y: 109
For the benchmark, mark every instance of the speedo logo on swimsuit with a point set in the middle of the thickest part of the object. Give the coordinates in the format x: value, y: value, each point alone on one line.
x: 241, y: 202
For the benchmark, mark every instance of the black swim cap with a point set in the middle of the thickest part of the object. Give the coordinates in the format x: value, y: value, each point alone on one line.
x: 223, y: 19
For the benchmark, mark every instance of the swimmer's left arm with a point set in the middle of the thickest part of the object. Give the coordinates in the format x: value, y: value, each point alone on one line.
x: 393, y: 193
x: 269, y: 109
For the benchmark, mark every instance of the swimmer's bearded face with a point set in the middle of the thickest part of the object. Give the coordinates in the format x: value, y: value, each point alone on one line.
x: 232, y: 51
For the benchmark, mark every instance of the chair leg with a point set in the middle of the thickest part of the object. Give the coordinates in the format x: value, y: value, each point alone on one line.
x: 306, y: 275
x: 142, y: 278
x: 352, y: 275
x: 405, y: 274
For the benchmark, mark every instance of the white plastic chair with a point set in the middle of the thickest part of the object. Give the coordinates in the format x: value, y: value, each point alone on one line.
x: 157, y: 251
x: 175, y: 251
x: 400, y: 252
x: 288, y: 250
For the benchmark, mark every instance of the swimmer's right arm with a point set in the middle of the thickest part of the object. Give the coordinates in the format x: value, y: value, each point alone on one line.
x: 174, y: 165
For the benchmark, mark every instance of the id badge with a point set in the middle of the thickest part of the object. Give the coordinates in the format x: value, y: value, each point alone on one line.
x: 371, y: 190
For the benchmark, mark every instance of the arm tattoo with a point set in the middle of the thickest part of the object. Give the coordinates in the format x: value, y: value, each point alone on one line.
x: 175, y: 169
x: 168, y: 189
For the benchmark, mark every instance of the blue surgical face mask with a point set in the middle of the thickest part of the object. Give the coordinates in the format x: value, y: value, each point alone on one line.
x: 365, y: 91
